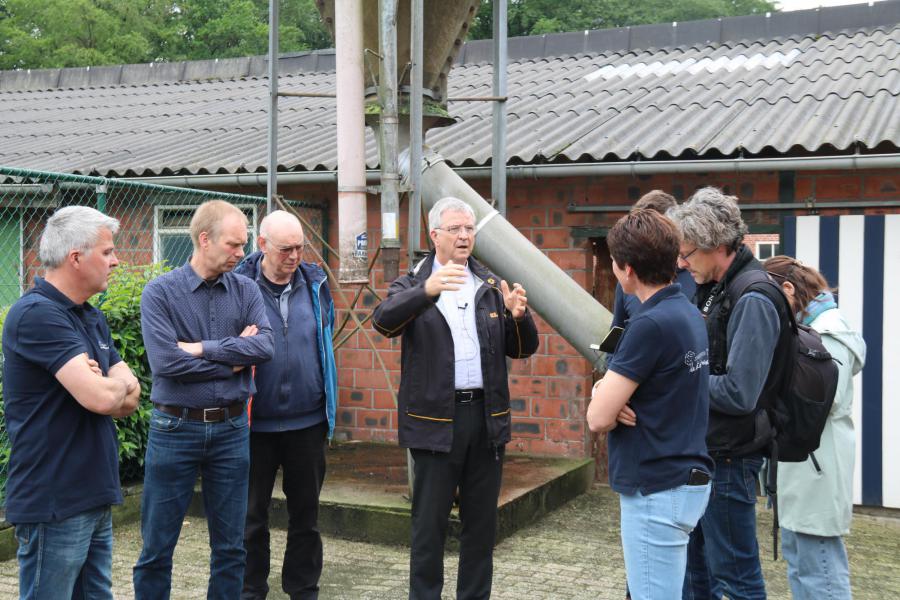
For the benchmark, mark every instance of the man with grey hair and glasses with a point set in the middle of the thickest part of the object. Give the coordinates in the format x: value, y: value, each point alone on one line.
x: 723, y: 555
x: 459, y: 322
x: 63, y: 383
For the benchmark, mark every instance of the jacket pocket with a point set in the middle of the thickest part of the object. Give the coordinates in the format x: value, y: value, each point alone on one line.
x: 414, y: 415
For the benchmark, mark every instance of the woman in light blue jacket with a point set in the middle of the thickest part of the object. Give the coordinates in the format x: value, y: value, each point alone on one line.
x: 815, y: 498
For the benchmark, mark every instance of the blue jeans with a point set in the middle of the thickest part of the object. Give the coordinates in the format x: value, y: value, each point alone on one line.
x: 177, y: 450
x: 71, y: 558
x: 655, y: 530
x: 723, y: 556
x: 817, y: 566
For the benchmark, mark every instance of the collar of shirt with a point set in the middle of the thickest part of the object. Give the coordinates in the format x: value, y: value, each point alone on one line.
x: 661, y: 294
x: 192, y: 281
x: 48, y: 290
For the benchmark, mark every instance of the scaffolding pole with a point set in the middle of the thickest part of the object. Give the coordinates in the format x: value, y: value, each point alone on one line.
x: 272, y: 173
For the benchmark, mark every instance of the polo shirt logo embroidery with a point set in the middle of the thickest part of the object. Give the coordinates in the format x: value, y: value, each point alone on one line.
x: 695, y: 362
x: 102, y: 345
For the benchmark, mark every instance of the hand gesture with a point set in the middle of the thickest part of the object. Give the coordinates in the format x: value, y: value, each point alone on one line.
x: 450, y: 277
x: 514, y: 299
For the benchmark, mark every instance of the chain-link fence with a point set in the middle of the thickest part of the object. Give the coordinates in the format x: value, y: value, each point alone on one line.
x: 153, y: 230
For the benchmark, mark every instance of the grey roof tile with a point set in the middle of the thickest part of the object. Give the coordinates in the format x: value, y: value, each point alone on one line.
x: 573, y: 97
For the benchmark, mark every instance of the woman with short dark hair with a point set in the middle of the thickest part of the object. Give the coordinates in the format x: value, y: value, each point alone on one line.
x: 658, y: 463
x: 815, y: 497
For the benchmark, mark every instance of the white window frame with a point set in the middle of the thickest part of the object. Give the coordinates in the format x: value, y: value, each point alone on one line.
x: 760, y: 244
x: 252, y: 228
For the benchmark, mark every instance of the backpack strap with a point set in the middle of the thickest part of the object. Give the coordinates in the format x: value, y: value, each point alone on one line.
x: 760, y: 281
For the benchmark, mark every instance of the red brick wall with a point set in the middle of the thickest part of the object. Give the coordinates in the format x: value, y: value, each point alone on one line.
x: 549, y: 390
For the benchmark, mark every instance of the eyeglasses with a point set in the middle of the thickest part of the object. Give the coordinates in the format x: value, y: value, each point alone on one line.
x: 686, y: 257
x: 457, y: 229
x: 288, y: 250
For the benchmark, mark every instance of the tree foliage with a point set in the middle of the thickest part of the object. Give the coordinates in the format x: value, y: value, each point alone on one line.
x: 70, y: 33
x: 536, y: 17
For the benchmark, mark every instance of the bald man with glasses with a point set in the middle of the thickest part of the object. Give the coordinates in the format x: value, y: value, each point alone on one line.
x: 292, y: 413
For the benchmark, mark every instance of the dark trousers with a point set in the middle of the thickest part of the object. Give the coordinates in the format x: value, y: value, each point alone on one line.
x: 476, y: 467
x: 723, y: 554
x: 301, y: 455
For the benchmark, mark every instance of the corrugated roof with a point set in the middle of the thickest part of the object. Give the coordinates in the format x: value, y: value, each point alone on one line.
x: 801, y: 93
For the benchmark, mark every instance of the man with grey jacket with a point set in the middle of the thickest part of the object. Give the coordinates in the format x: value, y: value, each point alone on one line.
x: 723, y: 556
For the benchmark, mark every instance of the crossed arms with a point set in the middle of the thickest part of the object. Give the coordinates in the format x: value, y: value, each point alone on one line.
x: 115, y: 394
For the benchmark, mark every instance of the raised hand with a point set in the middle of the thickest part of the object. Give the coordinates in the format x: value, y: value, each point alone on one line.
x: 515, y: 299
x: 450, y: 277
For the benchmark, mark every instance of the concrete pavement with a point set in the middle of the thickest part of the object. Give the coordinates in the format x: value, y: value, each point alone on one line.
x: 572, y: 553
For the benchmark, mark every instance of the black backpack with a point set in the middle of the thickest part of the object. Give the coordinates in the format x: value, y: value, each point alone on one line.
x: 799, y: 408
x: 803, y: 398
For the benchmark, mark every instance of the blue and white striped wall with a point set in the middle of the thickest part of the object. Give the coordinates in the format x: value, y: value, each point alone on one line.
x: 861, y: 255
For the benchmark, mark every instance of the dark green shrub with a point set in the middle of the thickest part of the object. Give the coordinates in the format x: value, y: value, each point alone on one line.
x: 121, y: 303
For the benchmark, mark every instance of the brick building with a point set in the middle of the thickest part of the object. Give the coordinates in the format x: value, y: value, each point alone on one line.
x: 795, y: 113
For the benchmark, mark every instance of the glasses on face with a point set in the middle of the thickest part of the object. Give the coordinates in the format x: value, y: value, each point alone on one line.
x: 288, y: 250
x: 457, y: 229
x: 686, y: 257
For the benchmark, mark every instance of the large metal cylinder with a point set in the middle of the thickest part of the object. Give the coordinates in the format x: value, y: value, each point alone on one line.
x: 446, y: 24
x: 351, y: 143
x: 560, y: 301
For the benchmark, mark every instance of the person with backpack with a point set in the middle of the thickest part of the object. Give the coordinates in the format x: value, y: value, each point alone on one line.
x: 815, y: 497
x: 723, y: 554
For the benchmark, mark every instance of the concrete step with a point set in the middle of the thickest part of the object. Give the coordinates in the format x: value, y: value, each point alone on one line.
x: 365, y: 496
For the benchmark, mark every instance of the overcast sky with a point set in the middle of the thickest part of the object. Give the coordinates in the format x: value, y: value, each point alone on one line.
x: 786, y: 5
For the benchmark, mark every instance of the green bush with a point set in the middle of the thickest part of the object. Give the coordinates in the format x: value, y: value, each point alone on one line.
x: 121, y: 303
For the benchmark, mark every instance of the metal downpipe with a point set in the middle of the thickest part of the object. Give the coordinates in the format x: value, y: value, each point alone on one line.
x: 635, y: 168
x: 564, y: 304
x: 387, y: 132
x: 351, y: 143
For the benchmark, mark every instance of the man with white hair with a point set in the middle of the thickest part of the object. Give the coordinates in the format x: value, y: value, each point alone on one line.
x: 63, y: 381
x: 459, y: 322
x: 292, y: 410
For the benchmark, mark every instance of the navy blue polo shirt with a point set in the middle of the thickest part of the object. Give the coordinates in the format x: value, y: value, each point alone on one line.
x: 64, y: 458
x: 665, y: 350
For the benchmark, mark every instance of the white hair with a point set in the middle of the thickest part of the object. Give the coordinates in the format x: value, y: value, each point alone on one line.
x: 443, y: 205
x: 275, y: 217
x: 72, y: 228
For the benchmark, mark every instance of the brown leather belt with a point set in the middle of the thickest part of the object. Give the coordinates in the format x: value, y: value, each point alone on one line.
x: 206, y: 415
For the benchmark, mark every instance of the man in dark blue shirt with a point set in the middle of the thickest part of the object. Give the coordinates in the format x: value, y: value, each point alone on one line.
x: 203, y: 327
x: 293, y: 409
x: 626, y: 305
x: 62, y: 382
